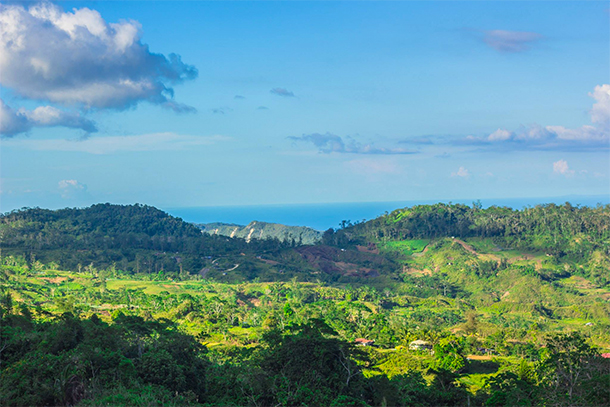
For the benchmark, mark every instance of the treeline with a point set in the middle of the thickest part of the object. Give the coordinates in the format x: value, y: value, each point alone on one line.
x: 139, y: 238
x: 133, y: 238
x: 558, y: 229
x: 69, y: 361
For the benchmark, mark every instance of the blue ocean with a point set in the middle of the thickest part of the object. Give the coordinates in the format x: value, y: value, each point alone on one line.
x: 325, y: 216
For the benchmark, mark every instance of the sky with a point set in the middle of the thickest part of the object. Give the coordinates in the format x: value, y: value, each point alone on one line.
x: 185, y: 104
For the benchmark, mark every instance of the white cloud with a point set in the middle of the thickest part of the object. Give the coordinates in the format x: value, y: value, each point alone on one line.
x: 499, y: 135
x: 590, y: 136
x: 561, y: 167
x: 461, y: 172
x: 114, y: 144
x: 71, y: 188
x: 221, y: 110
x: 77, y: 58
x: 14, y: 122
x: 600, y: 112
x: 510, y: 41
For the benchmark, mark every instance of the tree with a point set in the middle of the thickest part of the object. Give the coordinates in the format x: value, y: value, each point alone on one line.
x: 570, y: 370
x: 448, y: 355
x: 512, y: 388
x: 310, y: 366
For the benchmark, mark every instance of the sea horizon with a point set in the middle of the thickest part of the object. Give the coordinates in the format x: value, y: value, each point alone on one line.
x: 322, y: 216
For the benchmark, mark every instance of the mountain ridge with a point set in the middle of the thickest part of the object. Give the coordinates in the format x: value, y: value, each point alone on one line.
x: 263, y: 230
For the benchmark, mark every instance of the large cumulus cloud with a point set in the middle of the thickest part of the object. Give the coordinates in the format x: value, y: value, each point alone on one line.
x: 78, y: 59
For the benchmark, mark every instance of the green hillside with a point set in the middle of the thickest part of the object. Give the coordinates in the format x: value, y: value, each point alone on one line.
x: 132, y: 238
x: 568, y: 240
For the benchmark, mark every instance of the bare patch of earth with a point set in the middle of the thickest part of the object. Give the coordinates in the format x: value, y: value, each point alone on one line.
x: 54, y: 280
x: 256, y: 302
x: 416, y: 272
x: 332, y: 260
x: 370, y: 248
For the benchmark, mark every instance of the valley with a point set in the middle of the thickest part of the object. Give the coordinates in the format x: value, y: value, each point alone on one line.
x: 495, y: 308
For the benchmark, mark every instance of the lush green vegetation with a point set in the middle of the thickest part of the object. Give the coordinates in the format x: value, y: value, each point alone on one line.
x: 513, y: 319
x: 133, y: 238
x: 571, y: 236
x: 406, y: 247
x: 96, y: 339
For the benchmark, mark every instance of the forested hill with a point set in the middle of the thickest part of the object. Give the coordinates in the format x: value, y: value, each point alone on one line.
x: 101, y: 220
x: 136, y: 238
x: 557, y: 229
x: 139, y: 238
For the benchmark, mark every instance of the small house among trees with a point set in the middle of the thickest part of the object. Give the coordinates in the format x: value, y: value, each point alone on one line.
x: 364, y: 342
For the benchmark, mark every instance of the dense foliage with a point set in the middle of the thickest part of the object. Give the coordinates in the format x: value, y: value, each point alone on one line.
x: 136, y: 238
x: 549, y: 227
x: 67, y: 353
x: 126, y: 305
x: 566, y: 232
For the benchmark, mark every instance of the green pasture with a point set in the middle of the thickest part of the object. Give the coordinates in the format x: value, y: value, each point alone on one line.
x: 483, y: 245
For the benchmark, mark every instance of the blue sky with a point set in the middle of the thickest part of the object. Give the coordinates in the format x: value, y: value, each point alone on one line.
x: 235, y: 103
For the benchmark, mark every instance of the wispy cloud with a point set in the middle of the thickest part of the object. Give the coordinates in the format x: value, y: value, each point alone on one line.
x: 115, y: 144
x: 282, y: 92
x: 591, y: 137
x: 461, y: 173
x: 510, y: 41
x: 13, y: 122
x: 424, y: 140
x: 331, y: 143
x: 221, y: 110
x: 179, y: 108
